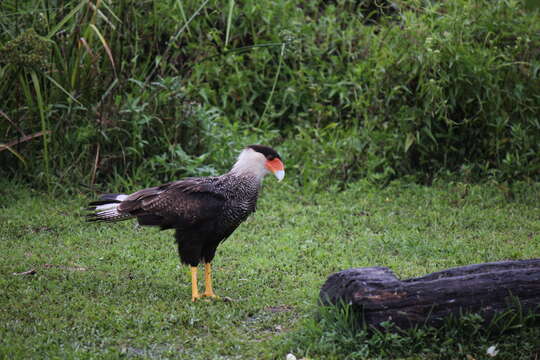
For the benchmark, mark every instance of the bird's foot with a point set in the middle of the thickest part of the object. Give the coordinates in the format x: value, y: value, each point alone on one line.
x: 195, y: 297
x: 210, y: 294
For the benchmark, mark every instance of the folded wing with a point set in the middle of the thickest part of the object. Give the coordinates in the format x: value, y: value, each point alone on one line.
x: 180, y: 204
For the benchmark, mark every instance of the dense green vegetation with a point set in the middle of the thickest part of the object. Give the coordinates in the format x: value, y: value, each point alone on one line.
x: 160, y: 89
x: 110, y: 291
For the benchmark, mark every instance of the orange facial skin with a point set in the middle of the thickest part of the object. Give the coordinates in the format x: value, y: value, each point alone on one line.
x: 274, y: 165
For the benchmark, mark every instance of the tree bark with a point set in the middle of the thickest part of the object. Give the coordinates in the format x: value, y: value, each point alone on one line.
x: 486, y: 289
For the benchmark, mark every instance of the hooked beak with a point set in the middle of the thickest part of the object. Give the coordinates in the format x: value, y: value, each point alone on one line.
x: 276, y: 167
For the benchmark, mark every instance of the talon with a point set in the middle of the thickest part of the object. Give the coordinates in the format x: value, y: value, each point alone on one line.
x: 210, y: 295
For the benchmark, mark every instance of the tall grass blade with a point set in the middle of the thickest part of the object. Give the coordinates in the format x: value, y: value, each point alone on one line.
x: 67, y: 18
x: 107, y: 92
x: 229, y: 22
x: 183, y: 14
x: 55, y: 83
x: 282, y: 52
x: 3, y: 114
x: 26, y: 89
x: 14, y: 152
x: 106, y: 46
x: 173, y: 40
x: 41, y: 109
x: 105, y: 18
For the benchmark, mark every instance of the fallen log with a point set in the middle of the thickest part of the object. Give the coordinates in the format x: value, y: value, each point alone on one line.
x: 378, y: 296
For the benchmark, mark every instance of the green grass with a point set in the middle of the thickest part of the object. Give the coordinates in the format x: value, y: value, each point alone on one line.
x: 133, y: 299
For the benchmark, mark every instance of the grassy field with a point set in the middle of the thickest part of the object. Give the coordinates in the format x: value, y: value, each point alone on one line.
x: 110, y: 291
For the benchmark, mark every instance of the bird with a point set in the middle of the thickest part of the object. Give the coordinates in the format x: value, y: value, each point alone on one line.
x: 203, y: 211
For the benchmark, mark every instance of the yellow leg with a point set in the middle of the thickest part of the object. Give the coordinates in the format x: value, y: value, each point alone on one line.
x: 194, y: 289
x: 208, y: 291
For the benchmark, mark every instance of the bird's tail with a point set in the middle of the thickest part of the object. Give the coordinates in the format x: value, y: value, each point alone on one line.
x: 106, y: 208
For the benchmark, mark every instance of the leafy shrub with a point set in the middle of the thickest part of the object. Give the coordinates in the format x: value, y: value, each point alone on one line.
x: 346, y: 89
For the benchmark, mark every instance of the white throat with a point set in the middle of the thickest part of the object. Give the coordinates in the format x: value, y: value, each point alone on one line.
x: 250, y: 163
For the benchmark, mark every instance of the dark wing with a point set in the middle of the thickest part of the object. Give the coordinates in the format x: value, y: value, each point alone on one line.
x: 180, y: 204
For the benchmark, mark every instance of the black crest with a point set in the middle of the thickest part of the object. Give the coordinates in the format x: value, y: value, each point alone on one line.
x: 267, y: 151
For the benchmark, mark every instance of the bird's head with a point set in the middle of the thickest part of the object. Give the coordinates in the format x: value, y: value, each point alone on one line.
x: 260, y: 160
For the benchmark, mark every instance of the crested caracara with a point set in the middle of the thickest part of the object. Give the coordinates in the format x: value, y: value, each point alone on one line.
x: 204, y: 211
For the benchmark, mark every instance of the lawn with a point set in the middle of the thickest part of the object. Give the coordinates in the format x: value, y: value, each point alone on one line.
x: 110, y: 291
